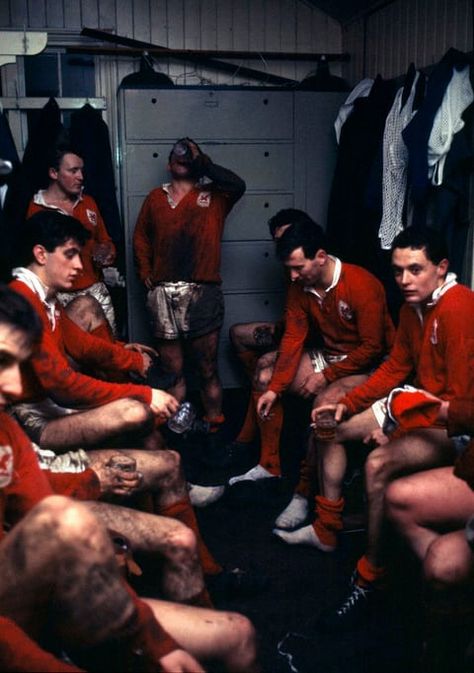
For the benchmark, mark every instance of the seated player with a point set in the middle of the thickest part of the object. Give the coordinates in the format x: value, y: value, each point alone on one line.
x: 61, y: 591
x: 341, y: 304
x: 433, y: 350
x: 432, y: 509
x: 256, y: 343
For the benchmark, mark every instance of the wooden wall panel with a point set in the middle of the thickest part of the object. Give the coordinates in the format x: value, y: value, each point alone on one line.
x: 55, y: 13
x: 280, y: 25
x: 404, y: 31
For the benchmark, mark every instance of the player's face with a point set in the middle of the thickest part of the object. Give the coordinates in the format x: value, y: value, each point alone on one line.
x: 62, y: 266
x: 416, y: 275
x: 14, y: 349
x: 69, y: 176
x: 302, y: 269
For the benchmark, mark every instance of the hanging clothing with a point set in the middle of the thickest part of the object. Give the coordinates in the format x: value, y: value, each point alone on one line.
x: 448, y: 121
x: 362, y: 89
x: 89, y: 136
x: 395, y: 164
x: 448, y: 208
x: 417, y: 133
x: 7, y: 224
x: 48, y: 132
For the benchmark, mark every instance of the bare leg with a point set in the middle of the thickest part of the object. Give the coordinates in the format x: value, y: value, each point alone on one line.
x: 182, y: 577
x: 164, y: 480
x: 160, y: 469
x: 59, y: 557
x: 252, y: 336
x: 332, y: 464
x: 86, y: 312
x: 332, y: 455
x: 97, y: 426
x: 423, y: 506
x: 204, y: 354
x: 419, y: 450
x: 226, y: 637
x: 171, y: 358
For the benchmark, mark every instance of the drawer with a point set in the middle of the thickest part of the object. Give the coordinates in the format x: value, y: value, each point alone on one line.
x: 251, y: 266
x: 207, y: 113
x: 264, y: 166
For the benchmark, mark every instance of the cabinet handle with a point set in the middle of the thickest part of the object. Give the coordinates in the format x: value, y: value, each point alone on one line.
x: 266, y: 254
x: 155, y: 154
x: 266, y: 154
x: 153, y: 100
x: 266, y: 204
x: 266, y: 302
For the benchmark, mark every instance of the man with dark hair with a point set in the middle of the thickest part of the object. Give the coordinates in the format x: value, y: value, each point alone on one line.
x: 255, y: 344
x: 433, y: 350
x: 177, y: 243
x: 60, y: 585
x: 345, y: 308
x: 88, y: 299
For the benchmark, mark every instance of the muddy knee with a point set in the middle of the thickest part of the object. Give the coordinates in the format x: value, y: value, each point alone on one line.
x: 181, y: 543
x: 86, y: 312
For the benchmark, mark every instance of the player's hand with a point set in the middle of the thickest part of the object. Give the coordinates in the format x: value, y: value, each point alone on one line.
x: 312, y: 385
x: 180, y: 661
x: 339, y: 411
x: 163, y: 404
x: 148, y: 283
x: 142, y: 348
x: 113, y: 480
x: 265, y: 403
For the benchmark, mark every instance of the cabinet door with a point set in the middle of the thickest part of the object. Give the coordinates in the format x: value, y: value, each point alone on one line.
x: 263, y: 166
x: 207, y: 114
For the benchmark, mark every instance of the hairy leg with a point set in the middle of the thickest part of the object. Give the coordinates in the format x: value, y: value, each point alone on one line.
x: 59, y: 561
x: 172, y: 362
x: 161, y: 472
x: 226, y: 637
x: 424, y: 505
x: 204, y: 354
x: 332, y: 457
x: 182, y: 577
x: 252, y: 336
x: 418, y: 450
x: 107, y: 424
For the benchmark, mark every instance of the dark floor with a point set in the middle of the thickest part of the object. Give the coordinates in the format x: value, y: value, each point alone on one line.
x: 304, y: 581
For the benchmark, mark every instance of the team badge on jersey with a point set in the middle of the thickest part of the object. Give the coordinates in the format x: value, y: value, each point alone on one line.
x: 434, y: 332
x: 345, y: 310
x: 92, y: 216
x: 204, y: 199
x: 6, y: 465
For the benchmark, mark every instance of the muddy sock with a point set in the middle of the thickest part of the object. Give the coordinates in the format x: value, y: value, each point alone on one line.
x: 369, y: 574
x: 183, y: 511
x: 249, y: 428
x: 304, y: 486
x: 270, y: 431
x: 215, y: 422
x: 328, y: 520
